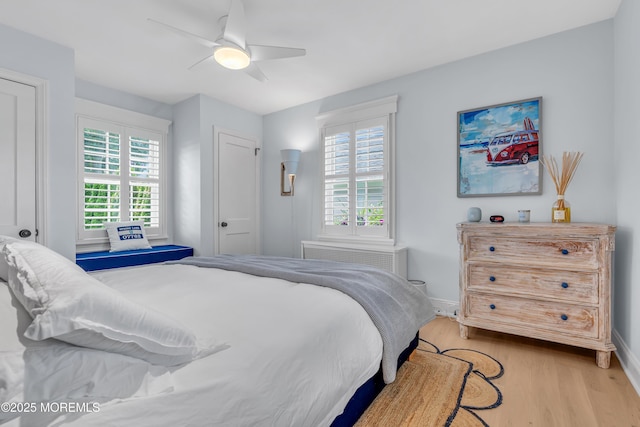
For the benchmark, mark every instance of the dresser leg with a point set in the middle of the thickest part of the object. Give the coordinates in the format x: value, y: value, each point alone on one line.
x: 603, y: 359
x: 464, y: 331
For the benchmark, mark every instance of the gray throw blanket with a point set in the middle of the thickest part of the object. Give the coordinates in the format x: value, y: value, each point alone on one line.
x: 395, y: 306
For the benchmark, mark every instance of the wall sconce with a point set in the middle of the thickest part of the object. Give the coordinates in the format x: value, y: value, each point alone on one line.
x: 290, y: 159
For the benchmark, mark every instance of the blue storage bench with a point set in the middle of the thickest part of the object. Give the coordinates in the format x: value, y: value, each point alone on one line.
x: 91, y: 261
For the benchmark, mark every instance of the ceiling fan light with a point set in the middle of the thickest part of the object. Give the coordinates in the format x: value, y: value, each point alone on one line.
x: 232, y: 57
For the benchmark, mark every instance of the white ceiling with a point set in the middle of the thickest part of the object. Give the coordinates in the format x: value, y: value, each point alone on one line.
x: 349, y: 43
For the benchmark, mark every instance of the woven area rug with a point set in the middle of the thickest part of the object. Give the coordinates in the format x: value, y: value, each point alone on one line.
x: 438, y: 388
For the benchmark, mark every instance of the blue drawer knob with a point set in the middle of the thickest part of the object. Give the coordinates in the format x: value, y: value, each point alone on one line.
x: 492, y: 278
x: 564, y: 317
x: 492, y: 306
x: 565, y: 285
x: 564, y: 251
x: 491, y: 248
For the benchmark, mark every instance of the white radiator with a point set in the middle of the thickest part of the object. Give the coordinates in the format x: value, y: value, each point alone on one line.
x: 390, y: 258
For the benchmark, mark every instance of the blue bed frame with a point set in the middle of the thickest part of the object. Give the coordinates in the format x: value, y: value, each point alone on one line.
x: 367, y: 392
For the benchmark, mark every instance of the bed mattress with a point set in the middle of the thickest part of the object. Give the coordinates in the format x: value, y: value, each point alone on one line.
x: 296, y: 353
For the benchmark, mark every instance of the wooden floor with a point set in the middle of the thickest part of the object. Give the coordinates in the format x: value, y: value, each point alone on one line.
x: 546, y: 384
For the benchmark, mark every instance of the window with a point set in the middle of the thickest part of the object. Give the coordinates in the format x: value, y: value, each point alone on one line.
x: 357, y: 144
x: 121, y: 170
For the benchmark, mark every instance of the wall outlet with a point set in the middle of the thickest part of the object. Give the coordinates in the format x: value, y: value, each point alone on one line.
x: 444, y: 307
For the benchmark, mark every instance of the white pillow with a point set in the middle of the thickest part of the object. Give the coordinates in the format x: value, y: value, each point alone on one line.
x: 4, y: 268
x: 126, y: 236
x: 69, y: 305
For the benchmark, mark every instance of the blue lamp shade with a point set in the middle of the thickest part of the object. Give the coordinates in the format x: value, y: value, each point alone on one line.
x: 290, y: 158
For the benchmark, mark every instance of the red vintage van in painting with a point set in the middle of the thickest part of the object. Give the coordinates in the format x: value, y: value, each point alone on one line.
x: 514, y: 147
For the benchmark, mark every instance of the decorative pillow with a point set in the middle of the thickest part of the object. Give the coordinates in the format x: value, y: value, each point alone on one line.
x: 126, y: 236
x: 4, y: 268
x: 68, y: 304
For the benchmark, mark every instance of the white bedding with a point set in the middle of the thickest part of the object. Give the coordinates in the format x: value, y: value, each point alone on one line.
x: 297, y: 353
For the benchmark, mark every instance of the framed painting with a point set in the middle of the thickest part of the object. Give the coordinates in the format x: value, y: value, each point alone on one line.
x: 498, y: 149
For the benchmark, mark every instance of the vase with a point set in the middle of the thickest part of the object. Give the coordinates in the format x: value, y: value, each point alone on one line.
x: 474, y: 214
x: 561, y: 210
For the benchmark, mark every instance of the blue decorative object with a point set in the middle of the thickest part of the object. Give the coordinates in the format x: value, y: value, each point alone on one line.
x: 474, y: 214
x: 565, y: 252
x: 492, y: 278
x: 565, y: 285
x: 492, y: 306
x: 564, y: 317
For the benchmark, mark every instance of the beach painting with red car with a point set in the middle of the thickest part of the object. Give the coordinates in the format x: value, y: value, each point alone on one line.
x: 498, y: 149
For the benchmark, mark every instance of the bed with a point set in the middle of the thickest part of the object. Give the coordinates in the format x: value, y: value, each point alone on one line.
x: 195, y: 343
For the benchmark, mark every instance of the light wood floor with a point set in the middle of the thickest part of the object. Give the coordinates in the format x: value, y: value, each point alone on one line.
x: 546, y: 384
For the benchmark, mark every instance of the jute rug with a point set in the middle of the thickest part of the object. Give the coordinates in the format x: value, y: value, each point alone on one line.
x: 438, y: 388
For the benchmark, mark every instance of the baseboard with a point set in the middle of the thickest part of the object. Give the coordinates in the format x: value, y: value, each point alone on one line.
x: 628, y: 360
x: 445, y: 307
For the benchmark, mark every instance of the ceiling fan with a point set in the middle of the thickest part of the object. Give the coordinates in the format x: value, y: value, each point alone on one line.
x: 230, y: 48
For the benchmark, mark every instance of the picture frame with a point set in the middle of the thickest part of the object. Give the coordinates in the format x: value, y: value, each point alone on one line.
x: 498, y: 149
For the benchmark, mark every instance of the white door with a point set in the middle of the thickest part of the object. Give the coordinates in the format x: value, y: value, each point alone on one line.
x: 237, y: 194
x: 17, y: 160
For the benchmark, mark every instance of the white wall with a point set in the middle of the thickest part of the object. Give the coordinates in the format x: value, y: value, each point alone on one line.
x: 124, y: 100
x: 588, y: 79
x: 33, y: 56
x: 185, y: 159
x: 627, y: 175
x: 572, y: 71
x: 193, y: 164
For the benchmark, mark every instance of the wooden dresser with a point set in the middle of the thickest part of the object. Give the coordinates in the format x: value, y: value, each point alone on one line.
x: 539, y: 280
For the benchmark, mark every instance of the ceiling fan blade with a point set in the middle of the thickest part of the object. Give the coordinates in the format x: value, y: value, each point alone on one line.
x: 199, y: 39
x: 263, y: 53
x: 206, y: 58
x: 235, y: 29
x: 254, y: 71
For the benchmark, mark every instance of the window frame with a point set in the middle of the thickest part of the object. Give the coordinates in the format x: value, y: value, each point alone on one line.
x: 347, y: 119
x: 126, y: 123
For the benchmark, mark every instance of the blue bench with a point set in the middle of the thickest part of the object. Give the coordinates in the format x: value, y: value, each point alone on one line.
x: 91, y: 261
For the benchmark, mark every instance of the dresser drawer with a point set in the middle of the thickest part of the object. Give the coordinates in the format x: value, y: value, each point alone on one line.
x: 574, y: 320
x: 563, y: 285
x: 567, y: 252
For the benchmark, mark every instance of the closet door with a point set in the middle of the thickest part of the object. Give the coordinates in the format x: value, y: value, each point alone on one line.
x: 17, y: 160
x: 237, y: 194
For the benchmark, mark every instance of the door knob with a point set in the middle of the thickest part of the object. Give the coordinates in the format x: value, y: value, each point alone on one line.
x: 223, y: 224
x: 24, y: 233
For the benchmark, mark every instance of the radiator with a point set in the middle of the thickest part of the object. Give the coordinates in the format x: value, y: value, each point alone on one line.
x: 390, y: 258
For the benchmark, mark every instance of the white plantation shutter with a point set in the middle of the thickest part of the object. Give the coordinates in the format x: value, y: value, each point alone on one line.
x: 357, y: 201
x: 101, y: 155
x: 121, y: 177
x: 337, y: 147
x: 101, y: 152
x: 369, y: 165
x: 144, y: 189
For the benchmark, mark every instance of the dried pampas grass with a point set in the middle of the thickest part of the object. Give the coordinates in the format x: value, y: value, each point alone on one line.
x: 561, y: 178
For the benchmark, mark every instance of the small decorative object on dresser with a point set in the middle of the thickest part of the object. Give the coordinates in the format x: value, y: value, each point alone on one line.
x: 524, y: 215
x: 539, y: 280
x: 561, y: 209
x: 474, y: 214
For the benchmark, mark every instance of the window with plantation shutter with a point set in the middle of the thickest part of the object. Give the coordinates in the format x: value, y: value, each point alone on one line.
x: 121, y: 172
x: 357, y: 144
